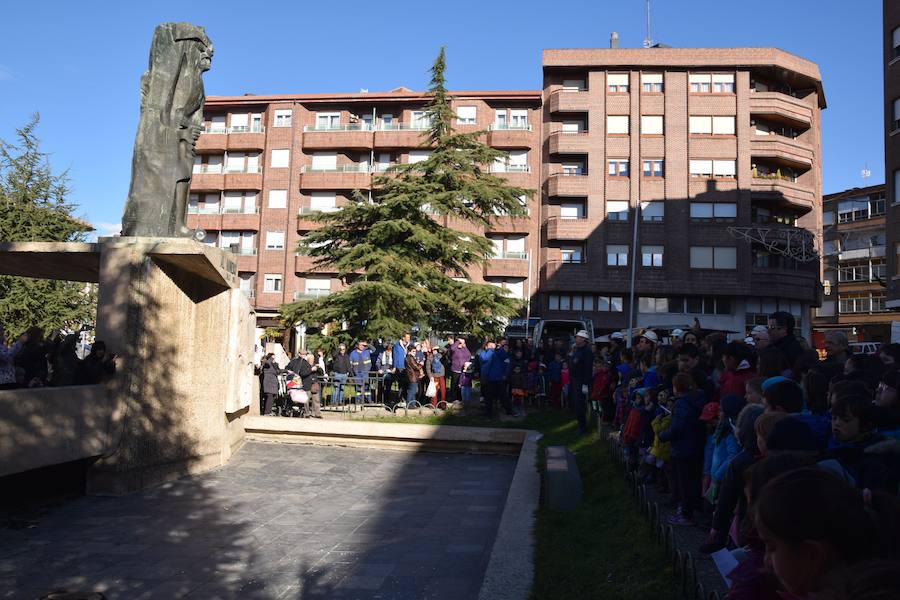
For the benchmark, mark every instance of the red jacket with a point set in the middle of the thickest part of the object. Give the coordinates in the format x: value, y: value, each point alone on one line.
x: 600, y: 386
x: 734, y: 383
x: 631, y: 433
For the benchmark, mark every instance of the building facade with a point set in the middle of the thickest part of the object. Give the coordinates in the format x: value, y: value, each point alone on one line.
x: 711, y: 156
x: 854, y: 266
x: 264, y: 162
x: 717, y: 152
x: 892, y: 146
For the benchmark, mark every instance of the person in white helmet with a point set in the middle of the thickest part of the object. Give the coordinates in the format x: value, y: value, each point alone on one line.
x: 677, y: 336
x: 581, y: 372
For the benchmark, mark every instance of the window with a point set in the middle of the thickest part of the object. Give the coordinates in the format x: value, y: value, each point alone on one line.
x: 209, y: 163
x: 617, y: 125
x: 724, y: 168
x: 572, y: 254
x: 217, y: 125
x: 242, y: 162
x: 417, y: 156
x: 653, y: 305
x: 723, y: 83
x: 246, y: 281
x: 616, y: 210
x: 500, y: 121
x: 617, y: 256
x: 283, y: 117
x: 653, y: 168
x: 571, y: 211
x: 876, y: 205
x: 280, y: 159
x: 701, y: 168
x: 318, y: 286
x: 518, y: 118
x: 572, y: 169
x: 723, y: 125
x: 514, y: 287
x: 277, y: 198
x: 573, y: 85
x: 651, y: 82
x: 572, y: 126
x: 700, y: 83
x: 210, y: 239
x: 466, y: 115
x: 711, y: 257
x: 324, y: 161
x: 700, y: 125
x: 518, y: 161
x: 236, y: 202
x: 618, y: 167
x: 274, y: 240
x: 861, y: 302
x: 651, y: 125
x: 419, y: 119
x: 828, y: 218
x: 653, y: 211
x: 853, y: 209
x: 853, y: 270
x: 896, y: 258
x: 272, y: 282
x: 617, y: 82
x: 328, y: 120
x: 651, y: 256
x: 323, y: 201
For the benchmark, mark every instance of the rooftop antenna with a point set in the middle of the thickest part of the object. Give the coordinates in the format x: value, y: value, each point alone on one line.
x: 866, y: 173
x: 648, y: 41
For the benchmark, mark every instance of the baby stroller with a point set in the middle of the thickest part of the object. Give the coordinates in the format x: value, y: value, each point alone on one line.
x: 296, y: 400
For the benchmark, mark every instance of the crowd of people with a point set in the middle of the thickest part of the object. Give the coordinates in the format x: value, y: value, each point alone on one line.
x: 793, y: 460
x: 32, y: 360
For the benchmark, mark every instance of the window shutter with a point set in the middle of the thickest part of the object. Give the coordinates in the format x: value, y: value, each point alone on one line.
x: 701, y: 167
x: 324, y: 161
x: 723, y: 78
x: 651, y: 77
x: 323, y: 201
x: 239, y: 120
x: 700, y: 78
x: 277, y: 198
x: 616, y: 124
x: 701, y: 257
x: 617, y: 79
x: 653, y: 210
x: 723, y: 125
x: 700, y: 125
x: 652, y: 125
x: 616, y: 206
x: 725, y: 258
x: 281, y: 158
x: 466, y: 113
x: 724, y: 168
x: 701, y: 210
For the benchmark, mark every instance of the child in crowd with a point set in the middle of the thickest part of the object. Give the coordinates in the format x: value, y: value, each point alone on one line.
x: 631, y: 431
x: 564, y: 382
x: 763, y: 428
x: 709, y: 416
x: 465, y: 383
x: 622, y: 405
x: 649, y: 412
x: 660, y: 450
x: 813, y: 523
x: 726, y: 444
x: 754, y: 393
x: 518, y: 389
x: 686, y: 434
x: 602, y: 389
x: 625, y: 359
x: 554, y: 378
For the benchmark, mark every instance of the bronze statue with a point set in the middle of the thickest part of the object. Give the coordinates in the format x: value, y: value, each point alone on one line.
x: 171, y: 120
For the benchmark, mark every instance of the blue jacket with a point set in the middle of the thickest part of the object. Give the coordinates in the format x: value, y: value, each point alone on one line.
x: 398, y: 355
x: 437, y: 367
x: 709, y: 451
x: 725, y: 450
x: 651, y: 379
x: 687, y: 433
x: 361, y: 361
x: 554, y: 371
x: 493, y: 364
x: 820, y: 426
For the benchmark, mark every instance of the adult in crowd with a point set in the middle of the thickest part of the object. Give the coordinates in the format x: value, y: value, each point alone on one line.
x: 384, y: 362
x: 646, y: 343
x: 458, y: 359
x: 7, y: 359
x: 97, y: 366
x: 493, y: 360
x: 781, y: 334
x: 760, y: 337
x: 434, y: 369
x: 32, y: 358
x: 398, y: 356
x: 581, y: 374
x: 677, y: 337
x: 361, y: 366
x: 308, y: 370
x: 340, y: 373
x: 269, y: 372
x: 413, y: 374
x: 837, y: 351
x: 64, y: 362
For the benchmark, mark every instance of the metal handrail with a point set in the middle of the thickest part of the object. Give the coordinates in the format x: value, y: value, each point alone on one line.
x: 253, y: 210
x: 253, y: 170
x: 235, y: 129
x: 340, y: 127
x: 510, y: 127
x: 511, y: 169
x: 311, y: 294
x: 511, y: 256
x: 357, y: 168
x: 305, y: 210
x: 402, y: 127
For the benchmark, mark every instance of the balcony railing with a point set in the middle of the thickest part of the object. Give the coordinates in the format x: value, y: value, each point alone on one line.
x: 306, y: 210
x: 511, y: 169
x: 511, y: 256
x: 511, y: 127
x: 240, y: 251
x: 340, y: 127
x: 213, y: 129
x: 197, y: 210
x: 311, y: 294
x: 356, y: 168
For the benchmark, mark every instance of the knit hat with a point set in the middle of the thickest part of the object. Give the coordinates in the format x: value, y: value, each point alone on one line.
x: 710, y: 412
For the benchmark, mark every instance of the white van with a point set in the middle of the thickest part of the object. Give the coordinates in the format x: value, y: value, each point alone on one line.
x: 560, y: 329
x: 867, y: 348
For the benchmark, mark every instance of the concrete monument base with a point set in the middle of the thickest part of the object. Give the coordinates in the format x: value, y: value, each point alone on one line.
x: 183, y: 332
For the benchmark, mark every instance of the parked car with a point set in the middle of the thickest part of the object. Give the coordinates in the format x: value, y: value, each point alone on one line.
x: 867, y: 348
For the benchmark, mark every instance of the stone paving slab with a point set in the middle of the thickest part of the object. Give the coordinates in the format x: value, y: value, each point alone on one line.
x: 280, y: 521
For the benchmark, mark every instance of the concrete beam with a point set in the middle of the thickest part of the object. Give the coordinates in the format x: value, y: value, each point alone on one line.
x: 68, y: 261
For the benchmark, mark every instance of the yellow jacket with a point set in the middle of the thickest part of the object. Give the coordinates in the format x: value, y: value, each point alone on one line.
x: 661, y: 450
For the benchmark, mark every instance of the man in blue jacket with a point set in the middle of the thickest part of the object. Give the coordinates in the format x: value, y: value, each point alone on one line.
x: 688, y: 437
x: 361, y: 362
x: 581, y: 373
x: 398, y: 356
x: 494, y: 361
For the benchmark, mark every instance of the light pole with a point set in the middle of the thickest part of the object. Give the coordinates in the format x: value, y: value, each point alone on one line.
x: 634, y: 246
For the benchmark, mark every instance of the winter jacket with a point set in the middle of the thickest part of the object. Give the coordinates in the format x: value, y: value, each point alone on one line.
x: 270, y: 373
x: 749, y: 580
x: 731, y: 491
x: 554, y: 371
x: 726, y: 448
x: 341, y: 364
x: 581, y: 366
x: 361, y: 361
x: 434, y: 367
x: 411, y: 366
x: 7, y: 370
x: 631, y: 433
x: 493, y: 364
x: 820, y: 425
x: 790, y: 347
x: 734, y: 383
x: 872, y: 462
x: 459, y: 359
x: 651, y: 378
x: 660, y: 449
x: 687, y: 431
x: 600, y: 386
x: 398, y: 355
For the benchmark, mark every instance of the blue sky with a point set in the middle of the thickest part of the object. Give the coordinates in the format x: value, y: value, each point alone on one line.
x: 78, y: 63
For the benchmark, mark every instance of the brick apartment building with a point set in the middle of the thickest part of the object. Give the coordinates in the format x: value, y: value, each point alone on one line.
x: 703, y: 140
x: 854, y: 266
x: 892, y: 146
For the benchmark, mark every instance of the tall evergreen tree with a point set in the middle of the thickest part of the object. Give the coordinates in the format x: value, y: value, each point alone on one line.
x: 401, y: 264
x: 34, y: 207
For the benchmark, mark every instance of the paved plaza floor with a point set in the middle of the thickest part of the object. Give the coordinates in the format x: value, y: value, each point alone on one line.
x: 280, y: 521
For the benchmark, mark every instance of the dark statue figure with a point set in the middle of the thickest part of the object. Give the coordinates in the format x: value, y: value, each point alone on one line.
x: 171, y: 120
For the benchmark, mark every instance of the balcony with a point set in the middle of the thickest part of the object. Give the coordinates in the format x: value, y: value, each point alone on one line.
x: 559, y: 228
x: 354, y: 136
x: 557, y: 275
x: 861, y: 253
x: 343, y: 177
x: 510, y: 264
x: 781, y: 191
x: 507, y: 224
x: 564, y: 142
x: 401, y: 135
x: 781, y: 107
x: 311, y: 294
x: 563, y: 184
x: 566, y: 101
x: 232, y: 138
x: 790, y: 284
x: 510, y: 136
x: 790, y: 152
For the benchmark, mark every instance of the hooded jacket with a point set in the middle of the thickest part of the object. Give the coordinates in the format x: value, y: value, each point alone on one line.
x: 687, y: 433
x: 872, y: 462
x: 735, y: 382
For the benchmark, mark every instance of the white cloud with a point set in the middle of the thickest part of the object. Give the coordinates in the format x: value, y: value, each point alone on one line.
x: 5, y: 73
x: 107, y: 229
